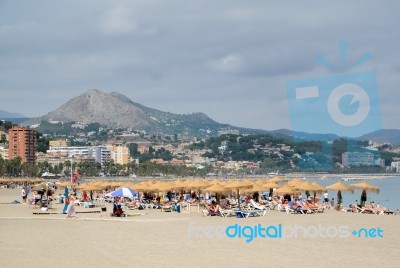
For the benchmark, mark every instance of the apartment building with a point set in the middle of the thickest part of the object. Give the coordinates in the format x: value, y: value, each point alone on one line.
x: 22, y: 143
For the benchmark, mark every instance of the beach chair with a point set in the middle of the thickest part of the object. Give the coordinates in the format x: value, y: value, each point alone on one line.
x: 166, y: 208
x: 281, y: 208
x: 289, y: 210
x: 88, y: 205
x: 255, y: 205
x: 242, y: 214
x: 206, y: 213
x: 256, y: 212
x: 227, y: 212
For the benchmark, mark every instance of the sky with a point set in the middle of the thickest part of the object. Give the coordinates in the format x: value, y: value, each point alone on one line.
x: 231, y: 60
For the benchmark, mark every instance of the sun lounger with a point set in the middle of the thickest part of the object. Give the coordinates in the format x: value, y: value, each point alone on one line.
x: 88, y: 205
x: 206, y: 213
x: 256, y: 212
x: 227, y: 212
x: 255, y: 205
x: 166, y: 208
x: 242, y: 213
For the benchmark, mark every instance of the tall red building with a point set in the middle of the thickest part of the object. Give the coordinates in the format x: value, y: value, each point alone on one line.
x: 22, y: 143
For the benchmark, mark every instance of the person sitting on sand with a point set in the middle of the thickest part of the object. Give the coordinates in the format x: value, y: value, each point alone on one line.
x: 118, y: 212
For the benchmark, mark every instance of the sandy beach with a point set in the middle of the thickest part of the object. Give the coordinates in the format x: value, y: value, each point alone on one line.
x: 170, y: 239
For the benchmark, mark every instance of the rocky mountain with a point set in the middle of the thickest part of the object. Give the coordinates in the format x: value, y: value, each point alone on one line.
x: 116, y: 110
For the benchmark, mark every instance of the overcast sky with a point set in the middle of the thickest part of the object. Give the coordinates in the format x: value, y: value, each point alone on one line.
x: 229, y: 59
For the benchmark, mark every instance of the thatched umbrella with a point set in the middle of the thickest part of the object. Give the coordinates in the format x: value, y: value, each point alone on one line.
x: 311, y: 187
x: 216, y: 188
x: 277, y: 179
x: 287, y: 189
x: 339, y: 186
x: 268, y: 185
x: 238, y: 185
x: 365, y: 187
x: 66, y: 183
x: 295, y: 182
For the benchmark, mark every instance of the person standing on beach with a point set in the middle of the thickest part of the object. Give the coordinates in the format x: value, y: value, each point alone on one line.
x: 24, y: 194
x: 326, y: 199
x: 71, y: 207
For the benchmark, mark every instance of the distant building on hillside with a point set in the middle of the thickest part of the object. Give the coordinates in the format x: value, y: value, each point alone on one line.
x: 59, y: 143
x: 395, y: 166
x: 3, y: 152
x: 228, y: 131
x: 22, y: 143
x: 358, y: 158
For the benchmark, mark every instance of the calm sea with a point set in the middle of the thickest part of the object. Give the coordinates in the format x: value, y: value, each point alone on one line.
x: 389, y: 195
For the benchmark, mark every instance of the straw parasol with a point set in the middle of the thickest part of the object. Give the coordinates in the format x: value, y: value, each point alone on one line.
x: 66, y: 183
x: 216, y: 188
x: 339, y: 186
x: 295, y: 182
x: 365, y: 187
x: 277, y: 179
x: 239, y: 185
x: 287, y: 189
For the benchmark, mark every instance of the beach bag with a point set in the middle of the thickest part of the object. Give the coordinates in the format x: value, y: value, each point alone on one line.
x: 67, y: 201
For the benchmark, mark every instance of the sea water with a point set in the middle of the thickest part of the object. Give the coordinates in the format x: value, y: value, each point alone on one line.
x: 389, y: 191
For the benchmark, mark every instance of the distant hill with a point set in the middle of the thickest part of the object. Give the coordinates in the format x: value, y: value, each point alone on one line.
x: 116, y: 110
x: 305, y: 135
x: 391, y: 136
x: 4, y: 115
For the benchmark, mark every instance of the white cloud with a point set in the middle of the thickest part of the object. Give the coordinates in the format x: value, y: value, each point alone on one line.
x: 118, y: 20
x: 229, y: 63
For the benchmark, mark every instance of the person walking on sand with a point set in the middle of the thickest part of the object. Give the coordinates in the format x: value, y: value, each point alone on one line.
x: 71, y: 207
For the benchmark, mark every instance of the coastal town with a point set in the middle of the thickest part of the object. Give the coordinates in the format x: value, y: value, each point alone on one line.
x: 95, y: 150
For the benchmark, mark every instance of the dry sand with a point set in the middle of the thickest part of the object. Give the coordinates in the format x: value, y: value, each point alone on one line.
x: 162, y: 239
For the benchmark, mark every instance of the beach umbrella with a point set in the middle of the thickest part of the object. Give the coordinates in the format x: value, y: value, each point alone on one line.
x: 122, y: 192
x: 339, y: 186
x: 364, y: 187
x: 129, y: 184
x: 277, y: 179
x: 295, y: 182
x: 318, y: 189
x: 216, y: 188
x: 261, y: 187
x: 287, y: 189
x: 66, y: 183
x: 239, y: 185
